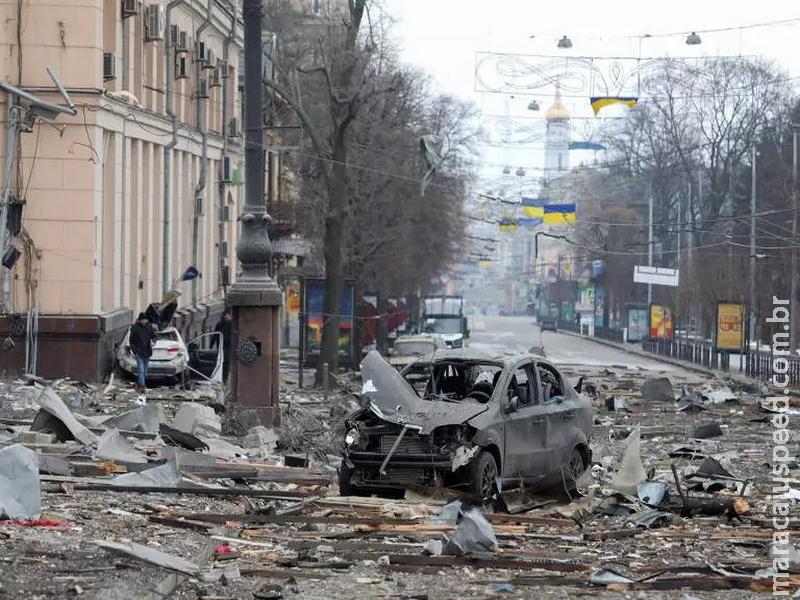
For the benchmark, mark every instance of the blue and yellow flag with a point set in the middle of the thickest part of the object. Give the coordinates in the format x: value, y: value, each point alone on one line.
x: 600, y: 102
x: 507, y: 224
x: 533, y: 208
x: 558, y: 214
x: 531, y: 223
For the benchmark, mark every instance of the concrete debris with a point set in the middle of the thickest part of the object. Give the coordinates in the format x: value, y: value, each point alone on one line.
x: 262, y: 439
x: 151, y: 556
x: 20, y: 497
x: 707, y: 431
x: 145, y: 419
x: 658, y: 389
x: 198, y: 420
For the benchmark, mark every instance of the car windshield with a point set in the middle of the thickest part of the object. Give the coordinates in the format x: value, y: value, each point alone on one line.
x: 413, y: 348
x: 446, y: 326
x: 452, y: 380
x: 167, y: 336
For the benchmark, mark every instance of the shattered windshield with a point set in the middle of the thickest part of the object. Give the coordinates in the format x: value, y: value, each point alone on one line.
x: 413, y: 348
x: 443, y: 326
x: 452, y: 380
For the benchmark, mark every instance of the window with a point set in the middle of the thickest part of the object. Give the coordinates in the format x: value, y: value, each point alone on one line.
x: 519, y: 386
x: 552, y: 386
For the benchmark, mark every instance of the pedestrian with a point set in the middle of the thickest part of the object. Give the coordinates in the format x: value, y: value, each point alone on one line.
x: 142, y: 340
x: 225, y: 327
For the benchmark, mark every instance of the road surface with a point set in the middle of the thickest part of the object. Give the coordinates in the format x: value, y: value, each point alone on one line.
x: 493, y: 334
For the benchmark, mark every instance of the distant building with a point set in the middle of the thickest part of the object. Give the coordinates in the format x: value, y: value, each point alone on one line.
x: 556, y: 146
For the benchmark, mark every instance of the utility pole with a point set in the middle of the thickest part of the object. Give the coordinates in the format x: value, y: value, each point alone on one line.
x: 793, y: 291
x: 650, y: 241
x: 752, y: 335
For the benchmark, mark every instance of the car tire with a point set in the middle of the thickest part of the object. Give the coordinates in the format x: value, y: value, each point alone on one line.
x: 483, y: 472
x: 576, y: 464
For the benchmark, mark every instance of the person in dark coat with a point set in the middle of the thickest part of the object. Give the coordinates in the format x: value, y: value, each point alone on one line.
x: 142, y: 340
x: 225, y: 327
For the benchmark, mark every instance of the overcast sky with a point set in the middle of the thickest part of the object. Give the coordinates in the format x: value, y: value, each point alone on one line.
x: 445, y: 36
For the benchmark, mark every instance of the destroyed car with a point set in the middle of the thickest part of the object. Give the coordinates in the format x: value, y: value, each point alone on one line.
x: 173, y: 360
x: 409, y: 348
x: 461, y: 419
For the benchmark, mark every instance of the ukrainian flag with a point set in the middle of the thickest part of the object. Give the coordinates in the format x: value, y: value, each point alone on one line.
x: 600, y: 102
x: 533, y: 208
x: 530, y: 223
x: 507, y: 224
x: 555, y: 214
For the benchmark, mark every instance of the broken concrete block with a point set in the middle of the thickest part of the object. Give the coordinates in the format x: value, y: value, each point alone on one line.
x: 198, y: 420
x: 658, y: 388
x: 20, y: 496
x: 36, y: 437
x: 260, y: 437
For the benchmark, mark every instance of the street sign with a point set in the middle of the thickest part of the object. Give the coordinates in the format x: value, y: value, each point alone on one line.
x: 655, y: 276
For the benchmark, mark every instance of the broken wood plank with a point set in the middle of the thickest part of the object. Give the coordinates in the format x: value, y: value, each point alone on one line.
x: 151, y: 556
x: 180, y: 523
x: 195, y: 491
x: 613, y: 534
x: 528, y: 519
x: 478, y: 562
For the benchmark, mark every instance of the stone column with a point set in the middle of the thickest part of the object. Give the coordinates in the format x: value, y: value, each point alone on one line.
x: 254, y: 297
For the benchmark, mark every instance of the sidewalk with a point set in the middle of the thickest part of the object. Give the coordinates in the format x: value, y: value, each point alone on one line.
x: 683, y: 364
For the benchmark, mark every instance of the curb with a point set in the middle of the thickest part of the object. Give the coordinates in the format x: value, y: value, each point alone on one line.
x: 657, y: 357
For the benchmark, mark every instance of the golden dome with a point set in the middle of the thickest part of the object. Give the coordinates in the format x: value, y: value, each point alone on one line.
x: 558, y: 111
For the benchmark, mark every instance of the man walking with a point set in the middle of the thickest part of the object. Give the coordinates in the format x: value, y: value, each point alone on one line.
x: 225, y: 327
x: 142, y: 340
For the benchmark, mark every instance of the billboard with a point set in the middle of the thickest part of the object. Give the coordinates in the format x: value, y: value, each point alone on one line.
x: 314, y: 301
x: 660, y: 322
x: 730, y: 327
x: 637, y: 324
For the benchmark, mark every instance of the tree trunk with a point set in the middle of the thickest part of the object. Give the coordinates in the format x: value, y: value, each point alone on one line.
x: 334, y: 271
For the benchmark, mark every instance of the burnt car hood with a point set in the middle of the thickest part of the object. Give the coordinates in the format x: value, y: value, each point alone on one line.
x: 392, y: 399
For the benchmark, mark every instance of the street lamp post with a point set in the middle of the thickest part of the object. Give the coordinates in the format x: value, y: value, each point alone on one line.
x: 752, y: 334
x: 255, y: 296
x: 793, y: 291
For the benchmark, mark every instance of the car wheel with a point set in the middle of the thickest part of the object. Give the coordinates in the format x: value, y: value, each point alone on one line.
x: 576, y: 465
x: 483, y: 473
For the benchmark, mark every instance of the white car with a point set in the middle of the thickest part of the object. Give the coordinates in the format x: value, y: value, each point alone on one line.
x: 173, y: 360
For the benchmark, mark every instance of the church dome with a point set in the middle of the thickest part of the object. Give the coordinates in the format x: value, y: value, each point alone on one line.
x: 557, y: 112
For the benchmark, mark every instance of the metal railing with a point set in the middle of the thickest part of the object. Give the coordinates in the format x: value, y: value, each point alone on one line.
x: 755, y: 364
x: 569, y: 326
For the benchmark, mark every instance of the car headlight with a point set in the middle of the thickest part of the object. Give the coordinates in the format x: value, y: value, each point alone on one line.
x: 352, y: 436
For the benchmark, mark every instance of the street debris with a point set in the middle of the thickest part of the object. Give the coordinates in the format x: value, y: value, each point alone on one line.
x: 109, y: 499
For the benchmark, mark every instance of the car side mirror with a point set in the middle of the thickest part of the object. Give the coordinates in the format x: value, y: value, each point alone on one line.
x: 513, y: 405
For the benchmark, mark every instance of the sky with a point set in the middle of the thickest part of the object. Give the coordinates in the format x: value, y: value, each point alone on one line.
x: 446, y: 37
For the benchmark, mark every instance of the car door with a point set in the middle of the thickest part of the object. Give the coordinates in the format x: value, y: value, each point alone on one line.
x: 205, y: 357
x: 526, y: 425
x: 560, y: 414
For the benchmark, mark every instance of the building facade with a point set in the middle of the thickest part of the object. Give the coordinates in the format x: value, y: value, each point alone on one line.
x: 142, y: 182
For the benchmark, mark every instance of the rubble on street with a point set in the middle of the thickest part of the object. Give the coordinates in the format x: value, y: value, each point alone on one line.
x: 101, y: 497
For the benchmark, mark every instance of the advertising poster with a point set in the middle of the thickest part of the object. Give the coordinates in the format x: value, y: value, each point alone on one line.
x: 660, y: 322
x: 730, y: 326
x: 315, y: 298
x: 637, y: 324
x: 293, y: 298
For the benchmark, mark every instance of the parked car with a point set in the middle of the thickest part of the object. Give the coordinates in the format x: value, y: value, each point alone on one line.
x: 409, y: 348
x: 173, y: 361
x: 461, y: 418
x: 548, y: 324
